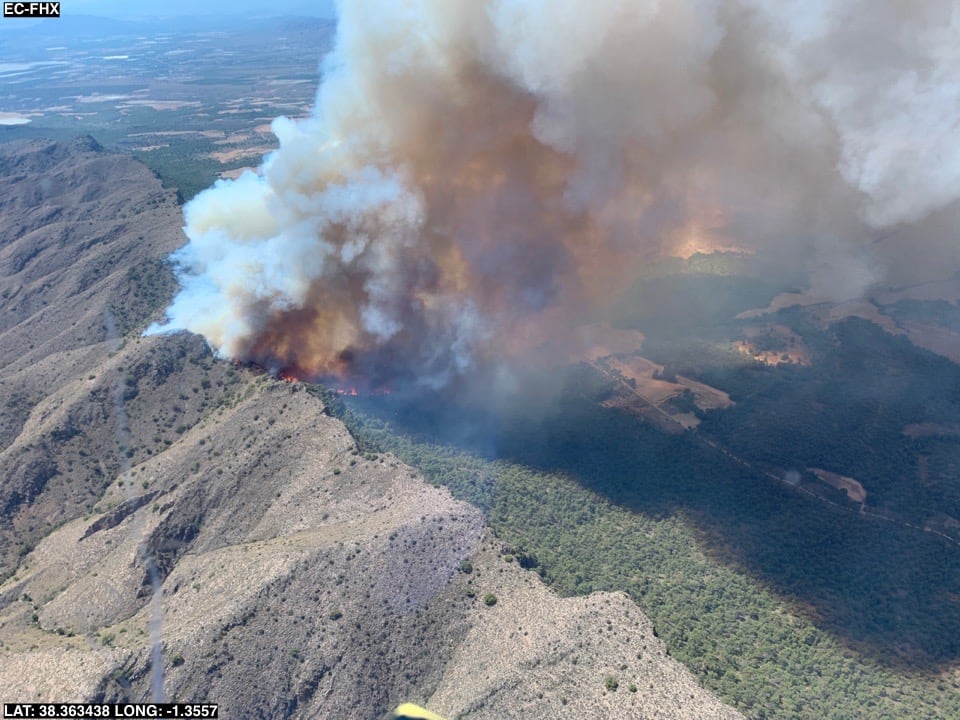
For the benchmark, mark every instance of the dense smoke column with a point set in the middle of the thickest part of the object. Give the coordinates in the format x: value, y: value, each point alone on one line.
x: 480, y: 177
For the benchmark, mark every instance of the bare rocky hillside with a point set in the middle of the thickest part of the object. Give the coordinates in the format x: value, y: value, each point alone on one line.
x: 174, y: 526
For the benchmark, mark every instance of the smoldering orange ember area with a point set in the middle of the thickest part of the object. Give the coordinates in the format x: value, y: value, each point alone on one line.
x: 345, y: 385
x: 288, y: 376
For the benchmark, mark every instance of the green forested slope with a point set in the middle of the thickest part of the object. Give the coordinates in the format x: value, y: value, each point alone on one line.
x: 785, y: 606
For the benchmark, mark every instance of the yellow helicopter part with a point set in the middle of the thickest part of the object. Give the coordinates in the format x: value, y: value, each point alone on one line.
x: 409, y: 711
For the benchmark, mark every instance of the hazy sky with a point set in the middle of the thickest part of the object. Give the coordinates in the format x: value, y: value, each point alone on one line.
x: 145, y: 8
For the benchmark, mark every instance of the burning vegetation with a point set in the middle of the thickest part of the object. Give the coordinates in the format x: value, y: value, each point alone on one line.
x: 477, y: 176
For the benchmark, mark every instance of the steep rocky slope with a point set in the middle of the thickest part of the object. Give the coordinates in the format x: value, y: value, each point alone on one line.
x: 174, y: 526
x: 313, y: 582
x: 82, y: 238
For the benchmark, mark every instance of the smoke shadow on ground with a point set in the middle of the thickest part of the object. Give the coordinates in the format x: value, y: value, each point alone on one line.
x: 885, y: 590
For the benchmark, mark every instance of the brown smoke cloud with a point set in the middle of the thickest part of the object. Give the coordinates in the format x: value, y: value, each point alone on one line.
x: 479, y: 175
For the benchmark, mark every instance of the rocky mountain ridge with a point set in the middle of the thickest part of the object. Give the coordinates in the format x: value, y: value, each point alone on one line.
x: 178, y: 527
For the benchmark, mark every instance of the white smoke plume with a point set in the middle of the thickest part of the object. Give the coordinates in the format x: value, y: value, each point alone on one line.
x: 478, y: 174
